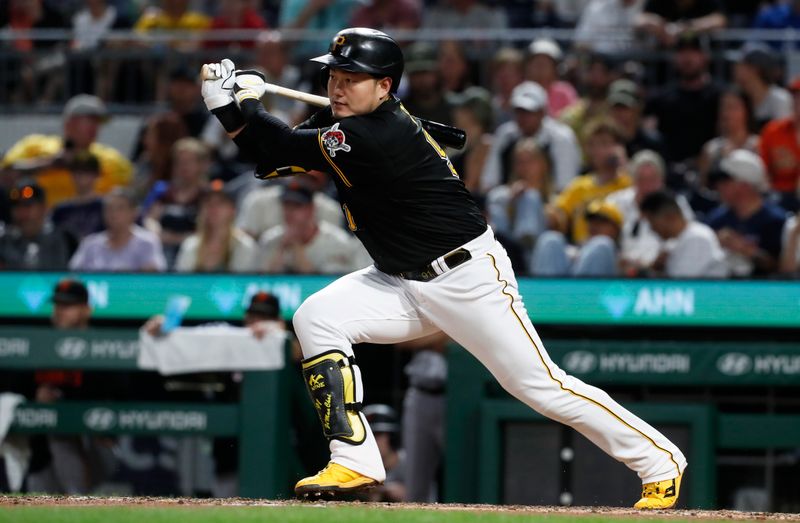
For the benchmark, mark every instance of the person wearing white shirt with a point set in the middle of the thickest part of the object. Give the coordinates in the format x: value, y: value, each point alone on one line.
x: 529, y: 101
x: 307, y: 246
x: 639, y: 244
x: 607, y: 26
x: 693, y: 250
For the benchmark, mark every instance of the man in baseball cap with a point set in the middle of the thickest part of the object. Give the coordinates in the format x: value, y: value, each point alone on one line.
x: 544, y: 57
x: 748, y: 225
x: 71, y: 308
x: 263, y: 307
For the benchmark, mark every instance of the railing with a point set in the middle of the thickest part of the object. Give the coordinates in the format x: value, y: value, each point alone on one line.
x: 41, y: 80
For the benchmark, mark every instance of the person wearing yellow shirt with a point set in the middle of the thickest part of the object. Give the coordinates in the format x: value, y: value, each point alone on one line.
x: 172, y: 15
x: 47, y: 157
x: 607, y: 158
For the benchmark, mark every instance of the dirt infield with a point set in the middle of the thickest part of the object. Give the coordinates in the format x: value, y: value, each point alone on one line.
x: 44, y: 500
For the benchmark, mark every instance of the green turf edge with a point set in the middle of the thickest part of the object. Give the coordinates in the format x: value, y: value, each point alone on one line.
x: 310, y: 514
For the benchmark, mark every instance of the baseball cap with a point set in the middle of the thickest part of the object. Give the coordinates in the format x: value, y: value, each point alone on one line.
x: 298, y: 191
x: 85, y: 105
x: 421, y: 57
x: 217, y: 187
x: 529, y: 96
x: 381, y: 418
x: 26, y: 193
x: 547, y: 47
x: 70, y: 292
x: 624, y: 92
x: 691, y: 40
x: 265, y: 304
x: 604, y: 210
x: 744, y: 166
x: 182, y: 73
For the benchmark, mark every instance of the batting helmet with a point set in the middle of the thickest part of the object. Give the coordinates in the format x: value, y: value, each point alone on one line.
x: 362, y: 50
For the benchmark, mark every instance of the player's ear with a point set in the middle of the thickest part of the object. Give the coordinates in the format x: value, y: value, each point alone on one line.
x: 384, y: 86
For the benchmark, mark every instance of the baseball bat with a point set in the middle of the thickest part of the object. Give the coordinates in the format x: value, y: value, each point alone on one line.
x: 444, y: 134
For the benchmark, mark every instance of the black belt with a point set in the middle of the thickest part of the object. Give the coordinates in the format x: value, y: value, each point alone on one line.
x: 427, y: 273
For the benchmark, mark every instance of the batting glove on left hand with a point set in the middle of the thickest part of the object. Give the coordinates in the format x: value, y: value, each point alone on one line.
x: 249, y: 83
x: 218, y: 79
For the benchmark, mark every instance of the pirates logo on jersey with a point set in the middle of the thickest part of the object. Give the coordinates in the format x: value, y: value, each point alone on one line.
x: 333, y: 139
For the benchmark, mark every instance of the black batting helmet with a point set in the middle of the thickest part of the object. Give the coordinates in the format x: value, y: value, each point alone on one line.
x: 362, y: 50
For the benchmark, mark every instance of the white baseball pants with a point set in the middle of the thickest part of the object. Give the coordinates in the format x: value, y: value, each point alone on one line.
x: 478, y: 305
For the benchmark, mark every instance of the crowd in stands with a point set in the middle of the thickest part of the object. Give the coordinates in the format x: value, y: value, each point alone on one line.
x: 583, y: 165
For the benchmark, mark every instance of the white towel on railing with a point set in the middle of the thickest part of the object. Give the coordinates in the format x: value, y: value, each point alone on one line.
x: 14, y: 450
x: 209, y: 348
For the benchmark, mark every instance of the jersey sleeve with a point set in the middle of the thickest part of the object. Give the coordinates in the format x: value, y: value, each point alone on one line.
x: 346, y: 149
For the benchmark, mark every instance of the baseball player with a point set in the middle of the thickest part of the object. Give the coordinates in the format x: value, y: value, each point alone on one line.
x: 437, y: 266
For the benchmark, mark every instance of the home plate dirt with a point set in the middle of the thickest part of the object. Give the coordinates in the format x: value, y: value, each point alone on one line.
x: 241, y: 502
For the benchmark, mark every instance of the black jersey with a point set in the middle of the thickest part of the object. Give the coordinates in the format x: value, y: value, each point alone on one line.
x: 399, y: 191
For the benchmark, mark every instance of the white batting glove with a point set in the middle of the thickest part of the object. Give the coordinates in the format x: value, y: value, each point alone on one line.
x: 218, y: 79
x: 249, y: 83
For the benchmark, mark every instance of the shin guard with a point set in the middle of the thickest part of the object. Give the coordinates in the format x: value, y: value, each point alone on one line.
x: 331, y: 381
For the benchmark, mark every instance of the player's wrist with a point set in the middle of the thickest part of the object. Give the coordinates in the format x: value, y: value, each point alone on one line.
x: 230, y: 116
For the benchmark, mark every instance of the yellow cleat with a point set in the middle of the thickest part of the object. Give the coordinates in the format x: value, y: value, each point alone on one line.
x: 333, y: 479
x: 660, y: 494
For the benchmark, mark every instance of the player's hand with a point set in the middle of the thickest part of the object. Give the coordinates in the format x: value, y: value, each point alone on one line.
x: 218, y: 79
x: 249, y: 83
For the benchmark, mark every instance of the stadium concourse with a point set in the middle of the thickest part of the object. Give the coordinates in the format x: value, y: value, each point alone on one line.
x: 637, y: 159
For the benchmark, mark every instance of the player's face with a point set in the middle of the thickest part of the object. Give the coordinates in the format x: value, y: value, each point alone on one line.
x: 352, y: 94
x: 70, y: 316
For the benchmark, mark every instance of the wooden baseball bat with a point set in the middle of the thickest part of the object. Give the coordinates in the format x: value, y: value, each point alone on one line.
x: 444, y: 134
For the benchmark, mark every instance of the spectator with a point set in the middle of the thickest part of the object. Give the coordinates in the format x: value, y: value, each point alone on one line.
x: 607, y: 26
x: 304, y: 245
x: 671, y: 20
x: 217, y: 246
x: 516, y: 209
x: 790, y: 255
x: 154, y: 162
x: 506, y: 73
x: 123, y: 246
x: 425, y: 97
x: 691, y: 249
x: 261, y: 208
x: 686, y: 112
x: 173, y: 215
x: 184, y: 99
x: 386, y: 15
x: 272, y: 58
x: 463, y: 14
x: 454, y: 66
x: 46, y: 156
x: 596, y: 257
x: 607, y: 161
x: 565, y: 12
x: 625, y: 111
x: 90, y: 27
x: 779, y: 15
x: 597, y: 76
x: 530, y: 101
x: 736, y: 126
x: 31, y: 76
x: 235, y: 14
x: 385, y: 426
x: 639, y: 244
x: 780, y: 151
x: 319, y: 16
x: 754, y: 74
x: 748, y: 226
x: 63, y: 464
x: 174, y: 15
x: 473, y: 113
x: 541, y: 66
x: 31, y: 242
x: 82, y: 215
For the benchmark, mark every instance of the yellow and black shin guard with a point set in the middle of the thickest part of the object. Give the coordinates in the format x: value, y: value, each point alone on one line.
x: 331, y: 381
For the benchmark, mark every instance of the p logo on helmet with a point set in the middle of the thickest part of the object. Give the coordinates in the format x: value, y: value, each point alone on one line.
x: 337, y: 43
